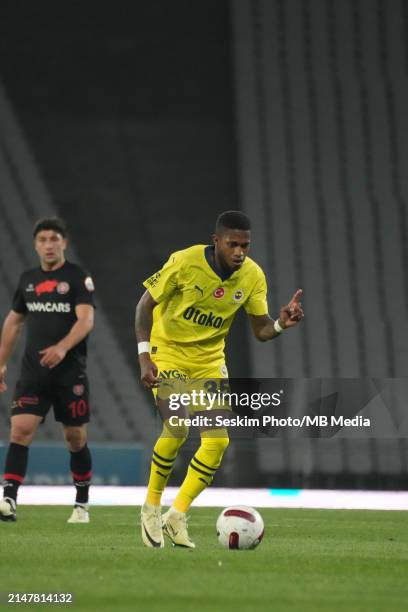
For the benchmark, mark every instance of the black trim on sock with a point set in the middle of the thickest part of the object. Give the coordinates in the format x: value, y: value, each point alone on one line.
x: 160, y: 465
x: 207, y: 467
x: 163, y: 458
x: 162, y: 475
x: 201, y: 471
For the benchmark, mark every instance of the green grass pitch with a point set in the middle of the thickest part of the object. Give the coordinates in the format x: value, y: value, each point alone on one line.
x: 309, y: 560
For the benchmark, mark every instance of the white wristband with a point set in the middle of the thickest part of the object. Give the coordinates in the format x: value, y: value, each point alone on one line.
x: 143, y: 347
x: 277, y: 327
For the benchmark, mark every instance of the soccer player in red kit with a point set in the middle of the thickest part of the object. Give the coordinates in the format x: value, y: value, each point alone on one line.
x: 54, y: 302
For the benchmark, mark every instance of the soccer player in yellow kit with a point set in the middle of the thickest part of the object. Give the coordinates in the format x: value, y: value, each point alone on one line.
x: 181, y: 323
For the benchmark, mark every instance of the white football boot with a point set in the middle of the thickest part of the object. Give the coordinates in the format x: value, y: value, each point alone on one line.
x: 151, y: 522
x: 80, y: 514
x: 7, y: 509
x: 175, y: 528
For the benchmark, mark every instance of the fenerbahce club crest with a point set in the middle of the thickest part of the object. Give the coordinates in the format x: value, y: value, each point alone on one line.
x: 238, y: 295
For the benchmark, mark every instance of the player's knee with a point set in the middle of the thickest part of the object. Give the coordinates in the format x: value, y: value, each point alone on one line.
x: 22, y: 431
x: 75, y: 438
x: 171, y: 446
x: 218, y: 444
x: 21, y: 435
x: 176, y: 432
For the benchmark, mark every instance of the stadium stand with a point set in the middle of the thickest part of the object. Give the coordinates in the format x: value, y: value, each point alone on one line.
x: 321, y: 97
x: 321, y: 94
x: 24, y: 198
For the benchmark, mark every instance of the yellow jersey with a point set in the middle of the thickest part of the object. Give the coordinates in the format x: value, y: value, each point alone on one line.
x: 196, y: 307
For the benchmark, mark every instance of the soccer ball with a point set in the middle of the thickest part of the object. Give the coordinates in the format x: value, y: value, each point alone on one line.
x: 240, y: 527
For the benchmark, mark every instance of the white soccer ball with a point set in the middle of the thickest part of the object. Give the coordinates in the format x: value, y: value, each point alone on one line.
x: 240, y: 527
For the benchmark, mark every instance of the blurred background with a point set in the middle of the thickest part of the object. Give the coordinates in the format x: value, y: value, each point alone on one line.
x: 139, y: 122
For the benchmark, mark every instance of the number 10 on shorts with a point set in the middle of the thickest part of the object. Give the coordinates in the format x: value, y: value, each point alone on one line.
x: 78, y: 408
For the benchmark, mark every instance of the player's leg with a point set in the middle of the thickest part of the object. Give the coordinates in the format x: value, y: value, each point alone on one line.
x: 29, y: 408
x: 206, y: 460
x: 72, y: 409
x: 200, y: 474
x: 81, y: 470
x: 202, y: 468
x: 165, y: 452
x: 164, y: 455
x: 23, y: 428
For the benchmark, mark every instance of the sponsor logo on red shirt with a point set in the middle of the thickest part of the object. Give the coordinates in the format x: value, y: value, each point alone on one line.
x: 47, y: 286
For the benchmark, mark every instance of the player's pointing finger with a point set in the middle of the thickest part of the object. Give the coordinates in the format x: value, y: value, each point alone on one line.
x: 296, y: 296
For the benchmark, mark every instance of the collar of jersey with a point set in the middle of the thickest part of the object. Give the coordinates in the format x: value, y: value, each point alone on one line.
x: 64, y: 265
x: 209, y: 255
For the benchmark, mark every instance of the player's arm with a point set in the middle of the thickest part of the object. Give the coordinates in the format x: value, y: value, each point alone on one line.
x: 12, y: 326
x: 265, y: 328
x: 143, y: 328
x: 53, y: 355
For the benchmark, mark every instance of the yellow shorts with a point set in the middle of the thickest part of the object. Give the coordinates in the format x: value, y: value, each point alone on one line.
x: 204, y: 384
x: 174, y: 365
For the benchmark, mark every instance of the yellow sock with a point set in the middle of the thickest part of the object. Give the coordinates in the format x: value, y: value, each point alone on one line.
x: 201, y: 470
x: 164, y: 455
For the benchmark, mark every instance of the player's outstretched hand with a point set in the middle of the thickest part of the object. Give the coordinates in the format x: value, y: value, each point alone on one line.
x: 148, y: 371
x: 52, y: 356
x: 292, y: 313
x: 3, y: 386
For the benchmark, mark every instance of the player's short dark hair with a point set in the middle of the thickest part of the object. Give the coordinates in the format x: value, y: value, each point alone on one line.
x: 50, y: 223
x: 232, y: 219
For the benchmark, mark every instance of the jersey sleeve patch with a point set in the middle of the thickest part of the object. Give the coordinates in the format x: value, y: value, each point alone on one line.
x: 84, y: 288
x: 152, y: 281
x: 164, y: 282
x: 89, y: 284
